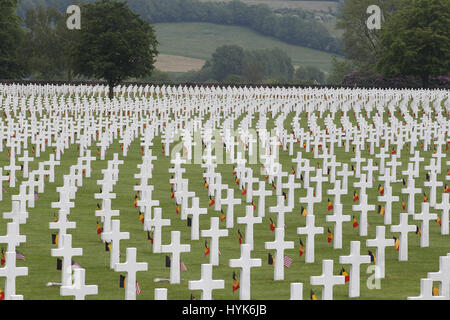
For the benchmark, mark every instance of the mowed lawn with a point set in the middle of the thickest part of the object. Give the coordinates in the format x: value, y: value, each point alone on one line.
x: 200, y: 40
x: 402, y: 278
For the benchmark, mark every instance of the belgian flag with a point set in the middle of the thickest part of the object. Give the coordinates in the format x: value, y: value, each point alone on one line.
x: 404, y: 182
x: 99, y: 229
x: 136, y: 199
x: 149, y: 236
x: 235, y: 282
x: 177, y: 207
x: 122, y: 282
x: 446, y: 188
x: 403, y: 205
x: 274, y: 185
x: 237, y: 180
x: 240, y: 237
x: 330, y: 235
x: 141, y: 217
x: 192, y: 297
x: 301, y: 178
x: 285, y: 195
x: 2, y: 257
x: 55, y: 238
x: 272, y: 225
x: 396, y: 243
x: 302, y: 248
x: 293, y: 170
x: 425, y: 197
x: 2, y: 295
x: 418, y: 232
x: 55, y: 218
x: 99, y: 207
x: 167, y: 262
x: 355, y: 196
x: 189, y: 221
x: 313, y: 295
x: 345, y: 274
x: 381, y: 189
x: 427, y: 176
x: 172, y: 193
x: 206, y: 184
x: 211, y: 201
x: 254, y: 205
x: 381, y: 210
x: 270, y: 259
x: 372, y: 256
x: 107, y: 246
x: 355, y: 222
x: 303, y: 211
x: 438, y: 220
x: 435, y: 291
x: 58, y: 264
x: 222, y: 215
x: 330, y: 205
x: 206, y: 248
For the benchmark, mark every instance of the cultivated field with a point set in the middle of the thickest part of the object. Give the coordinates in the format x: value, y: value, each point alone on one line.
x: 200, y: 40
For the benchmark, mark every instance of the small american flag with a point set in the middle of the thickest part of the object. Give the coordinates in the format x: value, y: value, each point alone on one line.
x: 75, y: 265
x: 288, y: 261
x: 182, y: 266
x: 138, y: 289
x: 19, y: 256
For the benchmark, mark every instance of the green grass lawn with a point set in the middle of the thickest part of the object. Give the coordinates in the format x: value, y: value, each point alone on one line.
x: 402, y: 278
x: 200, y: 40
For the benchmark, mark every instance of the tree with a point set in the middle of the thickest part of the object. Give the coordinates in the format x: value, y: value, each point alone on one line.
x: 113, y: 43
x: 359, y: 43
x: 338, y: 70
x: 416, y: 41
x: 11, y: 36
x: 228, y: 59
x: 312, y: 74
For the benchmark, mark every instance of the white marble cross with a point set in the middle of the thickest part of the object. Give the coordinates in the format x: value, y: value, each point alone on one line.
x: 442, y: 276
x: 66, y: 252
x: 445, y: 207
x: 262, y: 193
x: 403, y: 228
x: 355, y: 259
x: 433, y: 184
x: 16, y: 214
x: 319, y: 178
x: 175, y: 248
x: 338, y: 218
x: 364, y: 207
x: 79, y: 289
x: 380, y: 242
x: 281, y: 209
x: 411, y: 190
x: 206, y: 283
x: 62, y: 225
x: 218, y: 188
x: 279, y: 245
x: 10, y: 272
x: 245, y: 262
x: 310, y: 230
x: 12, y: 168
x: 230, y: 202
x: 370, y: 168
x: 327, y: 280
x: 425, y: 216
x: 26, y: 160
x: 13, y: 237
x: 309, y: 200
x: 426, y: 291
x: 388, y: 198
x: 156, y: 223
x: 114, y: 237
x: 296, y: 291
x: 131, y: 267
x: 2, y: 178
x: 345, y: 173
x: 337, y: 192
x: 291, y: 185
x: 249, y: 220
x: 195, y: 211
x: 214, y: 233
x: 106, y: 213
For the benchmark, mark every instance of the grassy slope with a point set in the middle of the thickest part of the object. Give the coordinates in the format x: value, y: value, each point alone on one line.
x: 402, y: 278
x: 200, y: 40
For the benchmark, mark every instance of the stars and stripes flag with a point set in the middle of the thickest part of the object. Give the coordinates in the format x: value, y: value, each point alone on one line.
x: 19, y: 256
x: 138, y: 289
x: 288, y: 261
x: 182, y: 266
